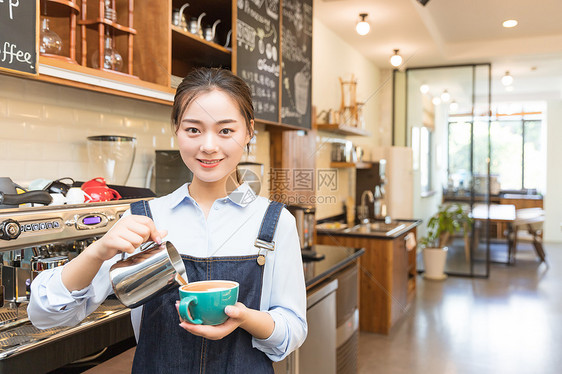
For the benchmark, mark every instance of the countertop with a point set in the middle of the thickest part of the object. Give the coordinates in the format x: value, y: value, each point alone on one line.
x: 408, y: 225
x: 336, y: 258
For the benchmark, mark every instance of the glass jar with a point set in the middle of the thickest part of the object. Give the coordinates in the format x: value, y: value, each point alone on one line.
x: 50, y: 41
x: 112, y: 59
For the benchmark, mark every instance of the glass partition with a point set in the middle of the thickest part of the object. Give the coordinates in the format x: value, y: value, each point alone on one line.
x: 448, y: 127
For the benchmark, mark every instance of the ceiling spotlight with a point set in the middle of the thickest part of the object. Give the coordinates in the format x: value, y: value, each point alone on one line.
x: 507, y: 79
x: 396, y: 59
x: 509, y: 23
x: 445, y: 96
x: 436, y: 101
x: 424, y: 88
x: 454, y: 106
x: 363, y: 26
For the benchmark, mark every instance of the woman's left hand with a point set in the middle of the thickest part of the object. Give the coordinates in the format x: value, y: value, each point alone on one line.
x: 237, y: 314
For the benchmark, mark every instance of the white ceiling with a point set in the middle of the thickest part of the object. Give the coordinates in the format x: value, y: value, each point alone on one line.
x: 450, y: 32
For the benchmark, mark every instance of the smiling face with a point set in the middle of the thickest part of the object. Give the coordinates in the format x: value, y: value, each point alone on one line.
x: 212, y: 136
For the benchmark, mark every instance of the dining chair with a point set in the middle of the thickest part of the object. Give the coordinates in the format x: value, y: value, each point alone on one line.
x: 528, y: 225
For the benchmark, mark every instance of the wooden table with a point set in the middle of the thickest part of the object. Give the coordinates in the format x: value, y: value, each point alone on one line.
x: 498, y: 213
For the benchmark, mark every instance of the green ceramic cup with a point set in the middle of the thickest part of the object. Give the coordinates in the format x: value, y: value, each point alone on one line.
x: 203, y: 303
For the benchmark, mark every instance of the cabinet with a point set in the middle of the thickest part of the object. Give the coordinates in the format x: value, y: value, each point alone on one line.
x: 387, y: 278
x: 318, y: 352
x: 60, y: 17
x: 293, y: 166
x: 106, y: 30
x: 246, y: 37
x: 189, y: 50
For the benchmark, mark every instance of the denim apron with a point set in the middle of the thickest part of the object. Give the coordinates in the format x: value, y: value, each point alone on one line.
x: 165, y: 347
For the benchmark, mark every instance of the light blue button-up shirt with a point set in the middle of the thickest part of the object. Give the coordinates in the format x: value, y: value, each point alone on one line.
x: 230, y: 229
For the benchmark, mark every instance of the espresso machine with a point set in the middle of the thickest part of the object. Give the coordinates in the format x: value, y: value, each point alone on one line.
x: 39, y: 238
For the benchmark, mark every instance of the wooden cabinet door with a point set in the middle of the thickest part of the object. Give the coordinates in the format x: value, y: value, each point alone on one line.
x: 399, y: 278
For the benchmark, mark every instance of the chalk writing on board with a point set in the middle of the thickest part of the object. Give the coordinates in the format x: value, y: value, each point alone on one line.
x: 297, y: 62
x: 17, y: 36
x: 11, y: 5
x: 10, y: 54
x: 258, y: 54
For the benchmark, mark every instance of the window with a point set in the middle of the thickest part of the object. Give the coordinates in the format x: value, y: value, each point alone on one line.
x: 425, y: 160
x: 517, y: 154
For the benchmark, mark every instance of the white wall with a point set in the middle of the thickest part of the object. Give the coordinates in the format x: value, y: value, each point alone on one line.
x: 333, y: 58
x: 426, y: 206
x: 553, y: 198
x: 43, y: 130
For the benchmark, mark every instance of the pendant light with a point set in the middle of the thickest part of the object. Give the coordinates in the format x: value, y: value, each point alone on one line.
x: 454, y: 106
x: 424, y: 88
x: 396, y: 59
x: 445, y: 96
x: 363, y: 27
x: 507, y: 79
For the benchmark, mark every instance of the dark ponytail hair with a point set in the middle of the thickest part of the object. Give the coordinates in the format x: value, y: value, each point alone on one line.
x: 204, y: 80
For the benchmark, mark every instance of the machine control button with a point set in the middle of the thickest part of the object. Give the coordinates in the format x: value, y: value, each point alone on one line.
x: 9, y: 229
x: 35, y: 226
x: 56, y: 225
x: 42, y: 226
x: 49, y: 225
x: 28, y: 227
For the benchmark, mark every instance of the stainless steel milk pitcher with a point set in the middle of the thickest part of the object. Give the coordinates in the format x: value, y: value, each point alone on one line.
x: 144, y: 275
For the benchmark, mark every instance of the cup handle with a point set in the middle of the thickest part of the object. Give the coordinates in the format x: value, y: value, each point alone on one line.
x: 184, y: 309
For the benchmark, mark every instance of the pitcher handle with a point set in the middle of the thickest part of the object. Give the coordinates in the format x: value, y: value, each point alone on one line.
x: 184, y: 309
x: 143, y: 247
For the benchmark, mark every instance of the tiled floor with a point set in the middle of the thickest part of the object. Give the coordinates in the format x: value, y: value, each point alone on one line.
x: 509, y: 323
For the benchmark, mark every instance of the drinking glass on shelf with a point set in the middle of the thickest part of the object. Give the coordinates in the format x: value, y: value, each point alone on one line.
x: 51, y: 42
x: 112, y: 59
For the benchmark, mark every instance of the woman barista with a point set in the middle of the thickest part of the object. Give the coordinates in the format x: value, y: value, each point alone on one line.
x: 215, y: 231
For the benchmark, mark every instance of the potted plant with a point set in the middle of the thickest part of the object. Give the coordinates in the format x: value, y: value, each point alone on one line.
x: 449, y: 219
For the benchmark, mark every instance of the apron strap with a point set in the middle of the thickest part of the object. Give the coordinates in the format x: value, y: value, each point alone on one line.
x: 269, y: 225
x: 141, y: 208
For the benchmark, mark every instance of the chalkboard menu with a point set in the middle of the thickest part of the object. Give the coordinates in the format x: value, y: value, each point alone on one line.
x: 18, y: 36
x: 296, y: 62
x: 257, y: 56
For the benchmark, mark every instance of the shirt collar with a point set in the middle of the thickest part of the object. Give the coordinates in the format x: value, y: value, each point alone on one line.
x: 241, y: 196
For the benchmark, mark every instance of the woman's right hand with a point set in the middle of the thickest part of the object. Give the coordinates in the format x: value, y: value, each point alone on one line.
x: 126, y: 236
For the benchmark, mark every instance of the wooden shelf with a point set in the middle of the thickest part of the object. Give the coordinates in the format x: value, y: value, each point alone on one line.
x: 93, y: 23
x: 190, y: 51
x: 60, y: 8
x: 56, y: 71
x: 342, y: 129
x: 356, y: 165
x: 197, y: 39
